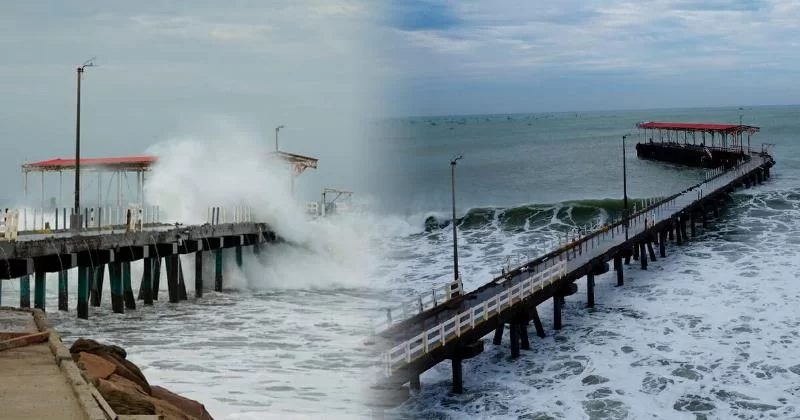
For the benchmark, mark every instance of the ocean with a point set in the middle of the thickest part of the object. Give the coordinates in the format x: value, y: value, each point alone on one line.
x: 708, y: 332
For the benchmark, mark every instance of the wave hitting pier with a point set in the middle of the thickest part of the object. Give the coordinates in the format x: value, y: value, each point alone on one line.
x: 93, y: 250
x: 453, y: 329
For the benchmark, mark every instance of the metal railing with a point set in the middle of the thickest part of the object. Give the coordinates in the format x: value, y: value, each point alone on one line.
x: 236, y: 214
x: 438, y: 336
x: 49, y: 220
x: 422, y: 303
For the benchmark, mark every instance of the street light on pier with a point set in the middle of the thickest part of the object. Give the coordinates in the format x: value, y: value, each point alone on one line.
x: 625, y: 187
x: 277, y: 129
x: 453, y: 190
x: 75, y: 221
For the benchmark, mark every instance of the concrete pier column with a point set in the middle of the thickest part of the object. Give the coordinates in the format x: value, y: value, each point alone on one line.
x: 63, y: 287
x: 115, y: 275
x: 218, y: 270
x: 498, y: 335
x: 650, y: 250
x: 414, y: 383
x: 691, y: 225
x: 39, y: 290
x: 25, y: 292
x: 619, y: 268
x: 96, y: 290
x: 181, y: 283
x: 172, y: 277
x: 643, y: 259
x: 704, y: 217
x: 239, y: 256
x: 682, y: 225
x: 537, y: 322
x: 458, y: 376
x: 662, y: 244
x: 670, y: 234
x: 198, y: 274
x: 146, y: 287
x: 678, y: 238
x: 127, y: 290
x: 156, y: 277
x: 635, y: 252
x: 590, y: 290
x: 83, y: 292
x: 524, y: 340
x: 514, y: 338
x: 557, y: 312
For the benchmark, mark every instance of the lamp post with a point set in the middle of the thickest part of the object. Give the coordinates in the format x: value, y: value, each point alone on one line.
x: 75, y: 221
x: 277, y: 129
x: 453, y: 191
x: 625, y: 186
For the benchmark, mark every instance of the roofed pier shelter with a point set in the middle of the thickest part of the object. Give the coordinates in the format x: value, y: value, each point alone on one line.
x: 695, y: 144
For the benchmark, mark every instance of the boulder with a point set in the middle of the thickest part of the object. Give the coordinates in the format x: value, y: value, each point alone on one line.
x: 96, y: 366
x: 125, y: 399
x: 113, y: 354
x: 188, y: 406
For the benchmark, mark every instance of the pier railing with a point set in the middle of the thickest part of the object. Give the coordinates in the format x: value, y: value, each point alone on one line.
x: 51, y: 220
x: 420, y: 304
x: 236, y: 214
x: 438, y: 336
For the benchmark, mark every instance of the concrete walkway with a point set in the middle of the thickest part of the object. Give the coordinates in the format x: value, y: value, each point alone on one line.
x: 37, y: 381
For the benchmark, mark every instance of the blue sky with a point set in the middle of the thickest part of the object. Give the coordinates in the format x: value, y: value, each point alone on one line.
x: 509, y: 56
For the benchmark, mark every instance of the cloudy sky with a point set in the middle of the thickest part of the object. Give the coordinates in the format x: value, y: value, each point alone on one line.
x: 468, y: 56
x: 175, y: 69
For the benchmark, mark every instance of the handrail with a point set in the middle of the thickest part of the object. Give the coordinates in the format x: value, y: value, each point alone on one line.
x: 420, y: 304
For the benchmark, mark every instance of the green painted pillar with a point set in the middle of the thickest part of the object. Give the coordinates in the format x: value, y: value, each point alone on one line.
x: 63, y: 286
x: 115, y: 274
x: 127, y: 293
x: 173, y: 265
x: 181, y: 281
x: 39, y: 290
x: 156, y: 276
x: 198, y: 274
x: 239, y: 256
x: 98, y: 275
x: 146, y: 288
x: 25, y: 292
x: 218, y: 270
x: 83, y: 292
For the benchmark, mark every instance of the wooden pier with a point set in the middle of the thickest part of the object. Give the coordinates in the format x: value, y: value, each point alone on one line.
x: 453, y: 329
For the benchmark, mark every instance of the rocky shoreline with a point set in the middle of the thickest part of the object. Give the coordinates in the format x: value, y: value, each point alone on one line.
x: 125, y: 388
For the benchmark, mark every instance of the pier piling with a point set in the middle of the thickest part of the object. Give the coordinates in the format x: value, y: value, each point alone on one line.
x: 514, y: 338
x: 156, y: 277
x: 181, y: 283
x: 127, y: 291
x: 218, y: 270
x: 115, y: 275
x: 537, y: 322
x: 662, y: 246
x: 198, y: 274
x: 63, y: 287
x: 524, y: 340
x: 239, y: 256
x: 172, y: 277
x: 643, y: 253
x: 83, y: 292
x: 458, y: 376
x: 146, y: 287
x: 590, y: 290
x: 414, y: 383
x: 25, y: 292
x: 557, y: 312
x: 618, y: 267
x: 650, y: 250
x: 498, y: 335
x: 39, y: 290
x: 96, y: 289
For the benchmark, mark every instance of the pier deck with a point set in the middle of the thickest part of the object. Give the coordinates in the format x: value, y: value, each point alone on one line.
x: 452, y: 330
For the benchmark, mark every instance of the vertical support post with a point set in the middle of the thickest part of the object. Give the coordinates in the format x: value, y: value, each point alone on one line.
x: 96, y: 288
x: 25, y: 291
x: 618, y: 266
x: 557, y: 312
x: 172, y: 277
x: 635, y: 252
x: 181, y: 282
x: 537, y: 322
x: 414, y: 383
x: 498, y: 335
x: 514, y: 338
x: 239, y: 256
x: 643, y: 253
x: 650, y: 249
x: 39, y: 290
x: 146, y: 287
x: 127, y: 293
x: 691, y: 224
x: 156, y: 276
x: 590, y: 290
x: 678, y: 236
x: 198, y: 274
x: 218, y: 270
x: 662, y: 244
x: 115, y: 274
x: 83, y: 292
x: 525, y: 342
x: 458, y: 376
x: 63, y: 287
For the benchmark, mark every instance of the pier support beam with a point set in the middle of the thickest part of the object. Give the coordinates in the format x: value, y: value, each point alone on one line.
x: 635, y: 252
x: 618, y: 267
x: 218, y: 270
x: 239, y: 256
x: 181, y: 283
x: 127, y: 292
x: 173, y: 278
x: 643, y: 258
x: 691, y: 224
x: 115, y: 275
x: 414, y: 383
x: 514, y: 335
x: 156, y: 277
x: 39, y: 290
x: 537, y: 322
x: 557, y: 311
x: 682, y: 224
x: 498, y: 335
x: 83, y: 292
x: 662, y: 244
x: 63, y: 287
x: 25, y: 292
x: 198, y: 276
x: 146, y: 287
x: 590, y: 290
x: 650, y: 250
x: 98, y: 274
x: 458, y: 376
x: 524, y: 341
x: 678, y: 238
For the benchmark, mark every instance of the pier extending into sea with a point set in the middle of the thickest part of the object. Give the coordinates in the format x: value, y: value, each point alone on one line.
x: 446, y: 325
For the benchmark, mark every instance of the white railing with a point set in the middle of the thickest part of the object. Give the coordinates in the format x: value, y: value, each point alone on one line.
x: 46, y: 220
x: 422, y: 303
x: 235, y: 214
x: 438, y: 336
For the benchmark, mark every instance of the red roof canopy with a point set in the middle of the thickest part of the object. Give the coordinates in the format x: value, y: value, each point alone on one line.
x: 696, y: 127
x: 112, y: 163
